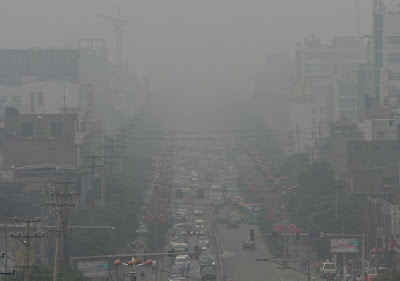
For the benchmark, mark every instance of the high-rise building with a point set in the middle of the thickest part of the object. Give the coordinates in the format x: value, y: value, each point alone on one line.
x: 386, y: 59
x: 329, y: 72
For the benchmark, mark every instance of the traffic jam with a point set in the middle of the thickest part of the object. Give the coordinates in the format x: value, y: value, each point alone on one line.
x: 201, y: 192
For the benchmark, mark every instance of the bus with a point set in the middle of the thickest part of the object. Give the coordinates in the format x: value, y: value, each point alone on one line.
x: 250, y: 212
x: 183, y: 195
x: 177, y: 247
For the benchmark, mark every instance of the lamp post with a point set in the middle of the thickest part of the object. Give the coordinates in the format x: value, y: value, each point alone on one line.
x: 117, y: 264
x: 133, y: 264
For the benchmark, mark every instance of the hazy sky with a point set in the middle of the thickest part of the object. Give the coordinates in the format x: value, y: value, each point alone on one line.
x: 190, y: 47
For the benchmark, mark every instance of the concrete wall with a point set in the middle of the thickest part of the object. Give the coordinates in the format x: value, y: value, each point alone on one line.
x: 53, y: 96
x: 25, y: 152
x: 42, y: 125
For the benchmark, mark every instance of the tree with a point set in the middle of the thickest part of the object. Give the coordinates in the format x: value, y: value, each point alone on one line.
x: 392, y: 276
x: 45, y: 273
x: 313, y: 204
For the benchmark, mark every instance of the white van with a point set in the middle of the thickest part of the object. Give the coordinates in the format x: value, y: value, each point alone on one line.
x: 328, y: 267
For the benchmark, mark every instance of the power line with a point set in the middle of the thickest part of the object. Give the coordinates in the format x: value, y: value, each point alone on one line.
x: 25, y: 240
x: 61, y: 200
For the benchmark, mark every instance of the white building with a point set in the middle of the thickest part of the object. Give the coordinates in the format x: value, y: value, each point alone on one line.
x: 379, y: 129
x: 386, y: 38
x: 330, y: 72
x: 39, y: 81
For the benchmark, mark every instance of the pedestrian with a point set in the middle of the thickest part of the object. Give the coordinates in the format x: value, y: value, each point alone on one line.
x: 317, y: 267
x: 358, y: 278
x: 328, y: 277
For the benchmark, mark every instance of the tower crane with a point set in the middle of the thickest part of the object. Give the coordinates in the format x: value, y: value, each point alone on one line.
x: 119, y: 24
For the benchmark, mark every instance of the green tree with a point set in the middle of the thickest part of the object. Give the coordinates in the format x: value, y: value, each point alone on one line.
x: 124, y: 201
x: 45, y: 273
x: 391, y: 276
x: 313, y: 204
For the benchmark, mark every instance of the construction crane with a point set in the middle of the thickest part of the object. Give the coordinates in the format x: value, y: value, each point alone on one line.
x: 119, y: 24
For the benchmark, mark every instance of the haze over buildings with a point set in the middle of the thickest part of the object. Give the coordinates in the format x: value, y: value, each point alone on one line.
x: 185, y: 47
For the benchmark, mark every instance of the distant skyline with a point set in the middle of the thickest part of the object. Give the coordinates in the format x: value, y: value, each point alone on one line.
x: 185, y: 47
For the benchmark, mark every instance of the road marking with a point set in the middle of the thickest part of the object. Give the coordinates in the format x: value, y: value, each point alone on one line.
x: 267, y: 250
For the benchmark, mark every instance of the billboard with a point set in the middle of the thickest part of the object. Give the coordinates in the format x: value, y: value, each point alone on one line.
x: 344, y: 245
x: 94, y: 268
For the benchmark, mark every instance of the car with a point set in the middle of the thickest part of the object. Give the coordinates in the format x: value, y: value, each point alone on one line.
x: 328, y: 267
x: 248, y: 245
x: 233, y: 224
x: 181, y: 226
x: 142, y: 230
x: 235, y: 216
x: 198, y: 212
x: 182, y: 212
x: 204, y: 240
x: 183, y: 260
x: 172, y: 278
x: 139, y: 243
x: 199, y: 223
x: 200, y: 247
x: 177, y: 272
x: 179, y: 219
x: 182, y: 268
x: 208, y: 273
x: 199, y: 227
x: 206, y: 261
x: 176, y: 239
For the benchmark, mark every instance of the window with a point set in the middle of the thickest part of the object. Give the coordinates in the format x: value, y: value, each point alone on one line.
x: 3, y: 100
x: 394, y: 40
x: 40, y: 99
x: 40, y: 132
x: 394, y: 92
x: 394, y: 58
x: 16, y: 99
x: 57, y: 129
x: 27, y: 129
x: 394, y: 76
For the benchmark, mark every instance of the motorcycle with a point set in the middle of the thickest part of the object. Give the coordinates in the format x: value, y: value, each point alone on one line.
x: 304, y: 263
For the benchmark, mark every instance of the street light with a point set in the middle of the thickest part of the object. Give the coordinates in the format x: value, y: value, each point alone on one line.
x: 134, y: 263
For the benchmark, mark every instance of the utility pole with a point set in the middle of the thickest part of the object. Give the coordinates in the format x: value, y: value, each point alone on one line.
x: 319, y: 141
x: 25, y: 239
x: 92, y: 167
x: 61, y: 200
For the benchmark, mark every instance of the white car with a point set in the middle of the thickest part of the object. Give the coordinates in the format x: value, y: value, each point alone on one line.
x: 198, y: 212
x: 183, y: 259
x: 204, y: 240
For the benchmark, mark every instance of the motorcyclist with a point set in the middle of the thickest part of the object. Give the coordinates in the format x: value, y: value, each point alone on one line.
x: 304, y: 263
